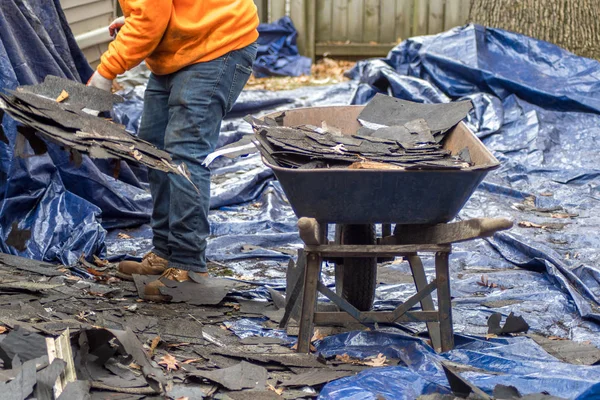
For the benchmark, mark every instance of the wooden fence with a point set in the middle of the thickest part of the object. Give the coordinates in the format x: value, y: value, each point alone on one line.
x: 362, y: 28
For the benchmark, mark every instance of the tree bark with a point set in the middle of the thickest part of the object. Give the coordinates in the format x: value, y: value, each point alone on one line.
x: 571, y: 24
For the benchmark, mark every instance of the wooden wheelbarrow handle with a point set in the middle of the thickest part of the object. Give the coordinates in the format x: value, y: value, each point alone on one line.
x: 309, y: 231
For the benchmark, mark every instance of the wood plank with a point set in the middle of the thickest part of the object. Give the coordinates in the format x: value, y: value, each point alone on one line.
x: 355, y: 20
x: 420, y: 17
x: 455, y: 14
x: 442, y: 276
x: 323, y: 20
x: 404, y: 18
x: 262, y: 7
x: 335, y: 318
x: 372, y: 21
x: 339, y: 21
x: 453, y: 232
x: 436, y: 16
x: 88, y: 11
x: 311, y: 24
x: 298, y: 16
x: 387, y: 27
x: 420, y: 279
x: 371, y: 250
x: 276, y: 9
x: 354, y: 49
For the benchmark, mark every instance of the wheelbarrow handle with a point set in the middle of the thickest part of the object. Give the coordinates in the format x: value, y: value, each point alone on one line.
x: 309, y: 231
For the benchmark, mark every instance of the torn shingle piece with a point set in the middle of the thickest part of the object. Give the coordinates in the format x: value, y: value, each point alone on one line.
x: 71, y: 128
x: 389, y: 111
x: 80, y: 96
x: 241, y: 376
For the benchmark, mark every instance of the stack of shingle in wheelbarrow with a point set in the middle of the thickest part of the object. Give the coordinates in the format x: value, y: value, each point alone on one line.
x: 404, y: 165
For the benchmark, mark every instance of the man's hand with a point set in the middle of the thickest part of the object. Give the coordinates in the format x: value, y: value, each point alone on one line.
x: 100, y: 82
x: 113, y: 28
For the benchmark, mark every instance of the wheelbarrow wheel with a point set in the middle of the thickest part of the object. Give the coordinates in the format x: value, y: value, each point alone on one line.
x: 356, y: 278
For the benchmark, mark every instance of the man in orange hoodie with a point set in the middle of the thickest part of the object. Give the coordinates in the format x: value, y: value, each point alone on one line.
x: 200, y: 53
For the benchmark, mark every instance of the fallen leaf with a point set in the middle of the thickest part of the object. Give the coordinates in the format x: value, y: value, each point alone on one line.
x: 273, y: 388
x: 546, y: 194
x: 563, y: 215
x: 3, y: 329
x: 169, y: 362
x: 378, y: 361
x: 178, y: 344
x: 556, y: 338
x: 345, y: 358
x: 317, y: 336
x: 136, y: 154
x: 122, y: 235
x: 154, y: 344
x: 62, y: 96
x: 100, y: 262
x: 95, y: 272
x: 192, y: 360
x: 235, y: 306
x: 527, y: 224
x: 134, y: 366
x: 182, y: 398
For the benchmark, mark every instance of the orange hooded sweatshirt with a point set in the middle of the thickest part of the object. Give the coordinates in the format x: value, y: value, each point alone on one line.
x: 171, y: 34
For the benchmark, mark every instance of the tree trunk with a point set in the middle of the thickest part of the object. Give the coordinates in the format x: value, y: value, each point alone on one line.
x: 571, y: 24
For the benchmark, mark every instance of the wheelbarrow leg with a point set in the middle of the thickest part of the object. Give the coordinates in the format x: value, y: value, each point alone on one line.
x: 309, y: 301
x: 444, y: 300
x: 420, y: 279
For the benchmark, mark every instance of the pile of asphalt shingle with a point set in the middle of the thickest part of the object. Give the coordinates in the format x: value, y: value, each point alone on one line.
x: 393, y: 131
x: 66, y: 113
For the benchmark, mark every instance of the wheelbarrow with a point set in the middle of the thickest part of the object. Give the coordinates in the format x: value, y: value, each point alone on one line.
x: 419, y: 202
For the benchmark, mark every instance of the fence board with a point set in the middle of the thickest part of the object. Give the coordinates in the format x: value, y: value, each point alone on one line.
x: 339, y: 22
x: 363, y: 23
x: 436, y: 16
x: 371, y: 25
x: 404, y: 18
x: 263, y: 10
x: 356, y: 14
x: 387, y: 28
x: 298, y: 16
x: 277, y: 8
x: 421, y: 17
x: 323, y: 16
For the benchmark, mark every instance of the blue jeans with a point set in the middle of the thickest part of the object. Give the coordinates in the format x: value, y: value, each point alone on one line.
x: 182, y: 115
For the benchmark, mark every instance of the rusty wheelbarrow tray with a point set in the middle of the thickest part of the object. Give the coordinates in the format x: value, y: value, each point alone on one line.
x: 363, y: 196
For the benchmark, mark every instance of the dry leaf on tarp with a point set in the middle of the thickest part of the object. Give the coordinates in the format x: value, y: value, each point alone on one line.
x: 279, y: 391
x: 3, y: 329
x: 154, y: 344
x: 122, y: 235
x: 378, y: 361
x: 169, y: 362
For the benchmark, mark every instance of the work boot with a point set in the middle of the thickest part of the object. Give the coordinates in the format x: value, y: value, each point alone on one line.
x: 151, y: 264
x: 152, y: 290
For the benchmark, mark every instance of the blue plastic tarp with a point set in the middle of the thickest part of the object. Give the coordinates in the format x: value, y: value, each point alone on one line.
x: 65, y: 207
x: 278, y: 52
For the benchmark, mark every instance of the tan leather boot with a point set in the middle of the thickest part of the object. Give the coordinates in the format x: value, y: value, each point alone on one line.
x: 151, y: 265
x: 152, y: 290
